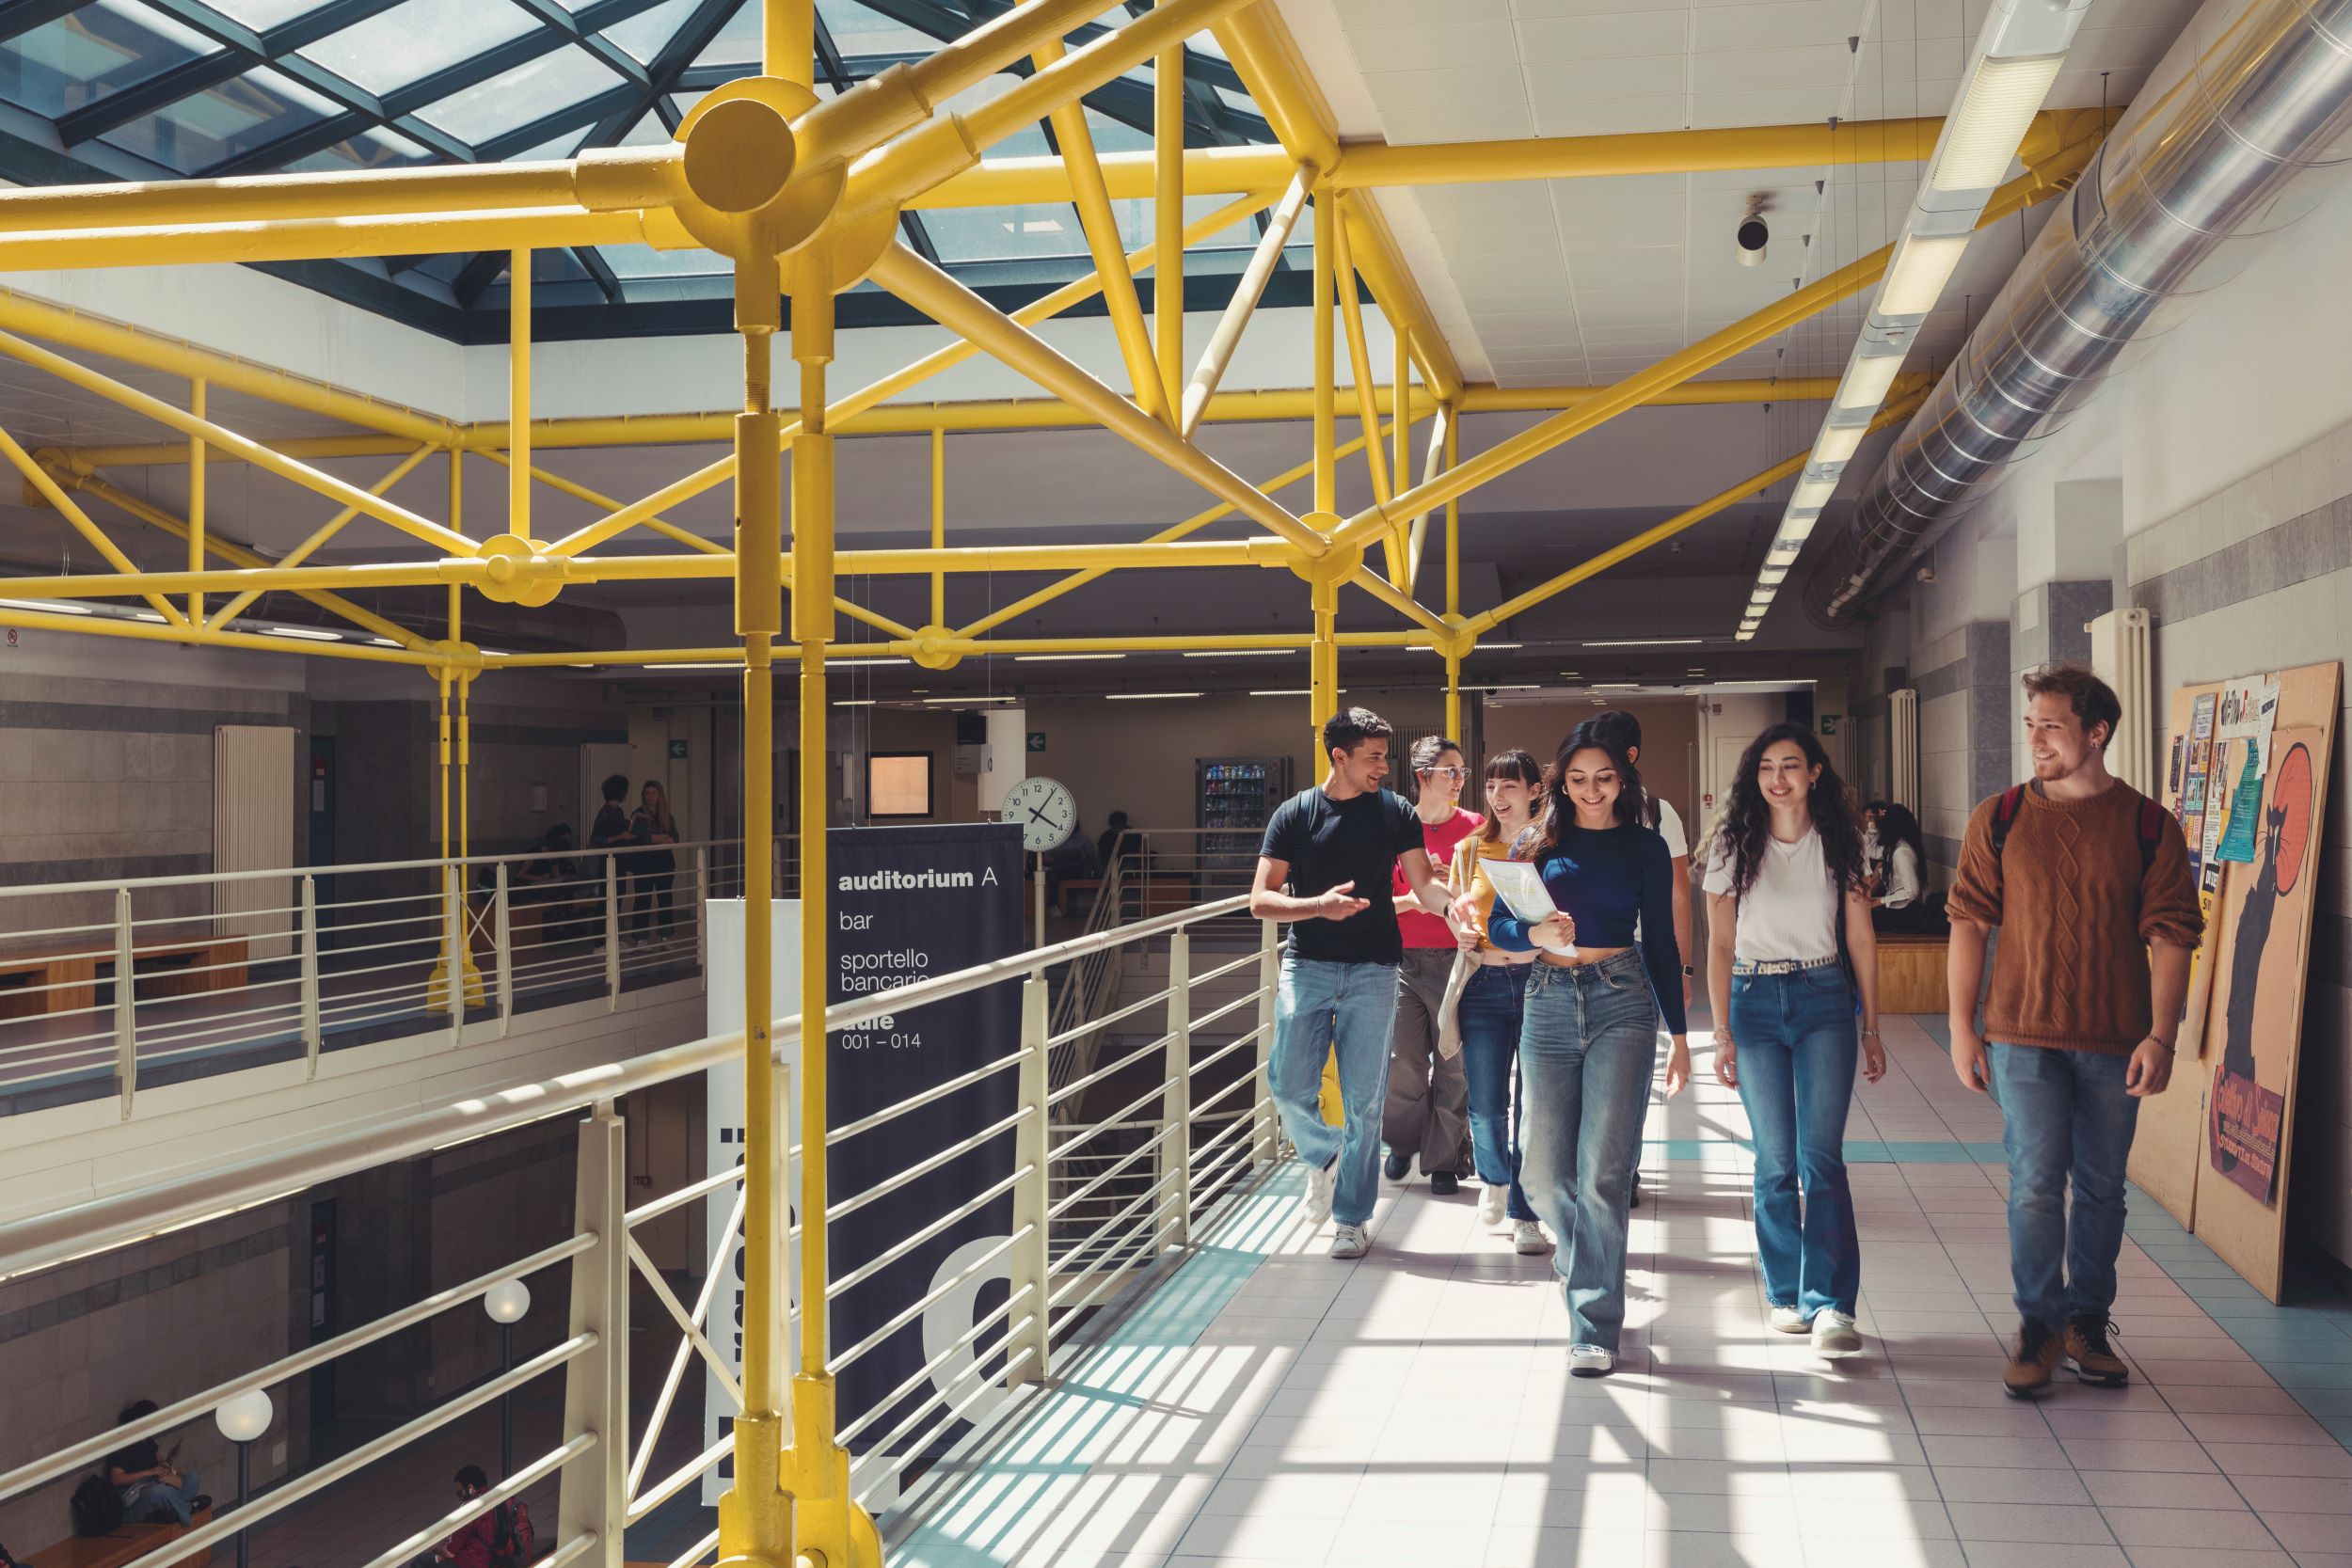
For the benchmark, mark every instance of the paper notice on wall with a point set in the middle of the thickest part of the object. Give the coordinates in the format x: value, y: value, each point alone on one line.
x: 2267, y: 717
x: 2246, y: 809
x: 2217, y: 818
x: 2239, y: 717
x: 2200, y: 717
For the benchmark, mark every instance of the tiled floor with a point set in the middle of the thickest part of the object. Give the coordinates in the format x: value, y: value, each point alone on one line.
x: 1273, y: 1406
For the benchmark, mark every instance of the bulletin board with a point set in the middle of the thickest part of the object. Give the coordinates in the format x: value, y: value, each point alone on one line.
x: 2247, y: 765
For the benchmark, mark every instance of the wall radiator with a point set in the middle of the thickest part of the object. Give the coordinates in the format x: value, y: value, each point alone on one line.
x: 253, y: 830
x: 1903, y: 748
x: 2120, y: 655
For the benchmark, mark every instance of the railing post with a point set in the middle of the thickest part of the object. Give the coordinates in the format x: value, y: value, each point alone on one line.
x: 612, y: 932
x: 1174, y: 1209
x: 126, y: 1004
x: 595, y: 1492
x: 503, y: 948
x: 702, y: 915
x: 1269, y: 1137
x: 455, y: 938
x: 1030, y: 1260
x: 311, y: 1031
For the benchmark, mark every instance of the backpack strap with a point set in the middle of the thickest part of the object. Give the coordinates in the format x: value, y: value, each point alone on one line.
x: 2151, y: 833
x: 2005, y: 817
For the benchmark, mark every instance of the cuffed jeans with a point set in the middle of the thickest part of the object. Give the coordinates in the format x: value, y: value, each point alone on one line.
x: 153, y: 1501
x: 2065, y: 1117
x: 1588, y: 1047
x: 1322, y: 1009
x: 1493, y: 1005
x: 1427, y: 1113
x: 1795, y: 1034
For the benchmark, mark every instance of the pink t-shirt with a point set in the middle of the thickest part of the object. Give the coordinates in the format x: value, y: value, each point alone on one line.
x: 1419, y: 927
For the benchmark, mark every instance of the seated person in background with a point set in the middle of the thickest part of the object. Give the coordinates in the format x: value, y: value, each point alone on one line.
x: 1896, y: 906
x: 155, y: 1491
x: 470, y: 1546
x: 1119, y: 842
x: 541, y: 880
x: 1074, y: 861
x: 1873, y: 851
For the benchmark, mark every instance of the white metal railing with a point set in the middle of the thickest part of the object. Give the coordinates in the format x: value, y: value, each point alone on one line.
x: 1193, y: 1111
x: 120, y: 979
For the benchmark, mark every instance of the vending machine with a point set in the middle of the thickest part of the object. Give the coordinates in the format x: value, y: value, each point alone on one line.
x: 1236, y: 796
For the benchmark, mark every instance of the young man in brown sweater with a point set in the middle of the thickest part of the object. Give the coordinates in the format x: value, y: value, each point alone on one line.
x: 2089, y: 883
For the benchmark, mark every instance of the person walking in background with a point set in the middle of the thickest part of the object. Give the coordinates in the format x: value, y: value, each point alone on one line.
x: 1895, y: 904
x: 1335, y: 844
x: 2090, y: 883
x: 1428, y: 1107
x: 1493, y: 1003
x: 1588, y: 1047
x: 654, y: 867
x: 1789, y: 943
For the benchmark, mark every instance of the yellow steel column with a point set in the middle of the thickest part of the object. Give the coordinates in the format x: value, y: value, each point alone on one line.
x: 196, y: 502
x: 788, y: 40
x: 457, y: 490
x: 1453, y: 580
x: 1323, y: 666
x: 519, y: 392
x: 1326, y: 366
x: 939, y: 521
x: 1167, y: 275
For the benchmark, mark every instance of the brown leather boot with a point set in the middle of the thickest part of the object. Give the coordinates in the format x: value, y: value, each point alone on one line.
x: 2092, y: 1359
x: 2033, y: 1362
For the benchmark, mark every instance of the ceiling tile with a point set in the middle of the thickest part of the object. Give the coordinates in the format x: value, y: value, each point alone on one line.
x: 1492, y: 121
x: 1764, y: 106
x: 1817, y: 66
x: 1434, y: 46
x: 1444, y: 87
x: 1621, y: 36
x: 1612, y: 116
x: 1778, y: 25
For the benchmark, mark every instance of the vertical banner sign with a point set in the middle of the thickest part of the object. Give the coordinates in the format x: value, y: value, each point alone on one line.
x: 907, y: 904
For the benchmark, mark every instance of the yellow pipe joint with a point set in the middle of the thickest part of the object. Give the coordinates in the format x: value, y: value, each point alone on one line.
x: 521, y: 571
x: 1335, y: 565
x: 935, y: 647
x: 1457, y: 643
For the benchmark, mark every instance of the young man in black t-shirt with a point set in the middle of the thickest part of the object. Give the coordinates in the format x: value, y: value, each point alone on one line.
x: 1335, y: 844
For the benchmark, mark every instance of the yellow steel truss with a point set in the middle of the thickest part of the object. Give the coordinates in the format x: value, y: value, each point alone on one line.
x: 801, y: 196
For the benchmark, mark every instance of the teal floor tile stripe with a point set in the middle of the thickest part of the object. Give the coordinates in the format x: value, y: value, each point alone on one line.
x: 973, y: 1524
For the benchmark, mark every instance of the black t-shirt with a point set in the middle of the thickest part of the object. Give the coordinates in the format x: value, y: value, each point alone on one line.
x: 131, y: 1460
x: 1329, y: 842
x: 611, y: 828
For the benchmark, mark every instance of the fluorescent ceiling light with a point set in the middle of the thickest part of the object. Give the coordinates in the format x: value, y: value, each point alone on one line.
x: 1647, y: 642
x: 1062, y: 659
x: 1742, y: 635
x: 1995, y: 110
x: 1812, y: 494
x: 1146, y: 696
x: 1867, y: 382
x: 855, y: 701
x: 963, y: 702
x: 147, y: 615
x: 1838, y: 442
x: 1783, y: 555
x: 52, y: 607
x: 308, y: 634
x: 1529, y: 687
x: 1616, y: 685
x: 1916, y: 279
x: 1294, y: 691
x: 382, y: 642
x: 1771, y: 577
x: 1241, y: 653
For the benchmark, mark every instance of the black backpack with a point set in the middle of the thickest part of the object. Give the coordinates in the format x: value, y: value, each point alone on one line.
x: 513, y: 1541
x: 97, y: 1507
x: 2013, y: 801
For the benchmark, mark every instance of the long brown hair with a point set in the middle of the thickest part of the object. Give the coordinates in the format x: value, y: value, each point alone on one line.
x: 662, y: 821
x: 1513, y: 764
x: 1558, y: 813
x: 1748, y: 821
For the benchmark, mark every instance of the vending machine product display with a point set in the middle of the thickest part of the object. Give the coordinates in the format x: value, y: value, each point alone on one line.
x: 1236, y: 795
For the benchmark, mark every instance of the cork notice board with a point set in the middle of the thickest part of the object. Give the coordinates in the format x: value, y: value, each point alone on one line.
x: 2216, y: 1148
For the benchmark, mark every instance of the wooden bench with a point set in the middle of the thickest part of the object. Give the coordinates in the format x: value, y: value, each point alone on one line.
x: 1911, y: 974
x: 71, y: 970
x: 128, y: 1543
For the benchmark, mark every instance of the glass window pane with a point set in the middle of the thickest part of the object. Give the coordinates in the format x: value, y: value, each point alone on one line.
x: 415, y: 38
x: 379, y: 148
x: 737, y: 42
x: 77, y: 59
x: 261, y: 15
x: 639, y: 261
x: 222, y: 122
x: 645, y: 35
x: 555, y: 80
x: 1004, y: 233
x: 647, y: 131
x: 858, y: 31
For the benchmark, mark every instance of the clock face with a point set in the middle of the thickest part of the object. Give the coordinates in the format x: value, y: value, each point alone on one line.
x: 1045, y: 811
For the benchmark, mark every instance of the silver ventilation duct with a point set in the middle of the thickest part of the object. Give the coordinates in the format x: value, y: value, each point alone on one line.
x: 2254, y: 93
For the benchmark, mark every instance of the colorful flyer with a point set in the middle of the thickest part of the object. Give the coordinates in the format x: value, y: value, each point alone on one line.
x: 2237, y: 840
x: 2200, y: 717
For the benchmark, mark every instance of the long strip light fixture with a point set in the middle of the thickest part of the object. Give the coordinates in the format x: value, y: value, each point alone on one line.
x: 2018, y: 56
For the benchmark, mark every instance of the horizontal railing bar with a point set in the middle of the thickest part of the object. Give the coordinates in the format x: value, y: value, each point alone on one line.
x: 1224, y: 1051
x: 860, y: 1493
x: 1056, y: 1210
x: 923, y: 1167
x: 1095, y: 1026
x: 1152, y: 1194
x: 1223, y: 970
x: 938, y: 1091
x: 921, y: 1374
x: 1235, y: 1006
x: 677, y: 1480
x: 367, y: 867
x: 1110, y: 1276
x: 475, y: 1507
x: 683, y: 1196
x: 1158, y: 1047
x: 695, y: 1553
x: 1247, y: 1081
x: 909, y: 1314
x: 1114, y: 1119
x: 900, y: 1248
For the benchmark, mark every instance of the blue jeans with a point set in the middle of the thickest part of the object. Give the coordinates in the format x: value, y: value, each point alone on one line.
x: 1587, y: 1049
x: 1797, y: 1047
x: 144, y: 1501
x: 1492, y: 1005
x: 1322, y: 1009
x: 2064, y: 1116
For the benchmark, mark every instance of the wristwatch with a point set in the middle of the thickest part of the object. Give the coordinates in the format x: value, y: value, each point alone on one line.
x: 1688, y: 970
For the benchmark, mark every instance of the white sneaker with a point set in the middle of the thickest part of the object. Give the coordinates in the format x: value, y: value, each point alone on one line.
x: 1788, y: 1320
x: 1590, y: 1361
x: 1491, y: 1200
x: 1528, y: 1238
x: 1833, y: 1333
x: 1317, y: 1205
x: 1350, y: 1240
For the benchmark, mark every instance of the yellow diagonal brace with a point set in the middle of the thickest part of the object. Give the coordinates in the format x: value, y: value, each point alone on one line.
x: 1713, y: 349
x: 42, y: 481
x: 301, y: 552
x: 931, y: 290
x: 146, y: 631
x: 1075, y: 292
x: 1358, y: 353
x: 1787, y: 468
x: 1397, y: 599
x: 228, y: 440
x: 1192, y: 524
x: 216, y: 546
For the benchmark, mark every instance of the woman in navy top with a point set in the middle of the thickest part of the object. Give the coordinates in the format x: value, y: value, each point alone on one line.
x: 1589, y: 1044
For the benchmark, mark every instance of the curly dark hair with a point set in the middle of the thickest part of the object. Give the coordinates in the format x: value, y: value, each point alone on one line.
x: 1748, y: 821
x: 1558, y: 813
x: 1897, y: 826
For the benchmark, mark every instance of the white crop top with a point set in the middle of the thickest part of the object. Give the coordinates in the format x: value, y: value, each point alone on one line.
x: 1791, y: 911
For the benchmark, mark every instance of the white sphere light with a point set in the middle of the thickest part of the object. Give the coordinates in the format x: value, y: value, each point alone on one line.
x: 507, y: 1300
x: 244, y: 1418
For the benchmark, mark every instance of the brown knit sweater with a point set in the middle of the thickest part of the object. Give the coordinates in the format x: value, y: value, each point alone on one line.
x: 2076, y: 914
